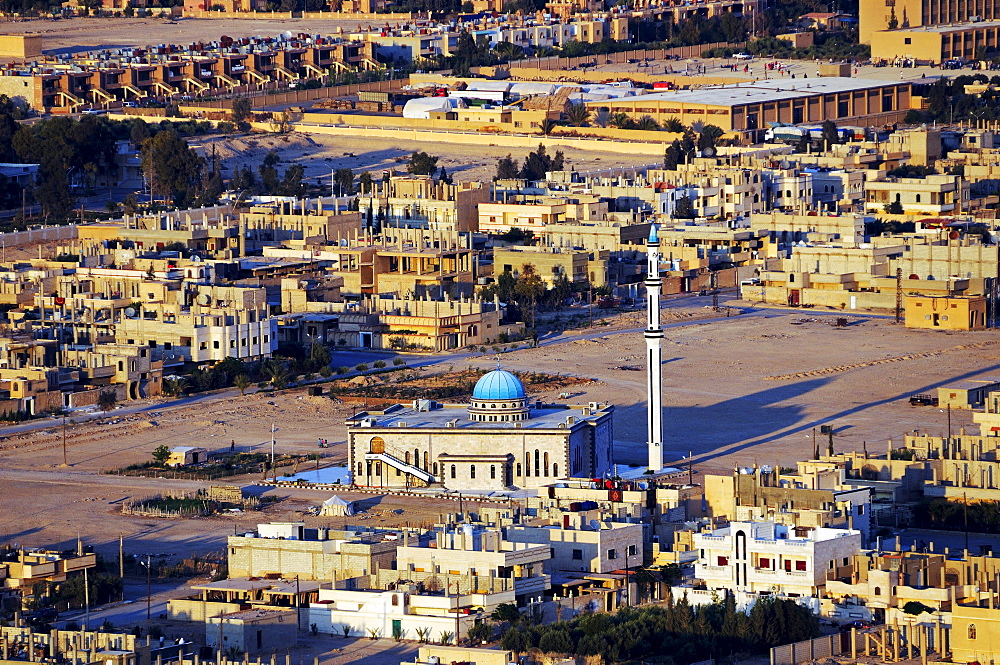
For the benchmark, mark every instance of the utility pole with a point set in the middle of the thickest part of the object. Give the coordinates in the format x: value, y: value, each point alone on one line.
x: 86, y: 599
x: 965, y: 519
x: 899, y: 295
x: 274, y: 469
x: 149, y: 589
x: 949, y: 423
x: 65, y: 463
x: 121, y: 562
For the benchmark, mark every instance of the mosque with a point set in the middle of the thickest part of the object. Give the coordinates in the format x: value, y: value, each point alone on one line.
x: 500, y: 441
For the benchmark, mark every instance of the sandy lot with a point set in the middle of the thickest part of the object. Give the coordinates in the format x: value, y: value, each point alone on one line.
x: 738, y: 390
x: 320, y: 154
x: 83, y: 34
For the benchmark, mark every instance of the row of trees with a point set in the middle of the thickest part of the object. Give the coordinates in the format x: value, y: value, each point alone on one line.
x: 82, y: 152
x: 534, y: 167
x: 674, y: 632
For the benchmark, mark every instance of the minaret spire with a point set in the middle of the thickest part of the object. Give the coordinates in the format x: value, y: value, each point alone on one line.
x: 654, y: 354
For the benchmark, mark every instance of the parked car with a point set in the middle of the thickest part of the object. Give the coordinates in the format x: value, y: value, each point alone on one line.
x: 92, y: 111
x: 743, y: 56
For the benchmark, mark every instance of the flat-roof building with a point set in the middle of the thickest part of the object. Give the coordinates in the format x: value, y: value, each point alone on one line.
x: 750, y: 106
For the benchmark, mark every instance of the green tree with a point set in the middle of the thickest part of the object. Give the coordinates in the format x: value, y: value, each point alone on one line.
x: 268, y: 172
x: 506, y: 169
x: 672, y: 156
x: 481, y: 632
x: 172, y: 167
x: 139, y: 132
x: 106, y: 400
x: 161, y: 454
x: 830, y: 134
x: 529, y: 289
x: 894, y: 208
x: 684, y: 208
x: 555, y: 641
x: 422, y: 164
x: 343, y: 181
x: 241, y: 111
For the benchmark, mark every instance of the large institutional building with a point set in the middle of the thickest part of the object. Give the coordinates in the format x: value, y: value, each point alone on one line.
x: 500, y: 441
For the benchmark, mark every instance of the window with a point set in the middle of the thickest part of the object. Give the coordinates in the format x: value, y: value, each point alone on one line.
x: 545, y: 469
x: 764, y: 562
x: 631, y: 550
x: 453, y: 471
x: 215, y: 344
x: 518, y: 469
x: 722, y: 561
x: 878, y: 591
x: 472, y: 471
x: 907, y: 40
x: 376, y: 445
x: 612, y: 554
x: 493, y: 471
x: 578, y: 555
x: 800, y: 565
x: 555, y: 470
x: 972, y: 631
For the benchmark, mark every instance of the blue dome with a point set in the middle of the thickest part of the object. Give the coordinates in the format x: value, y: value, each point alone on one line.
x: 498, y: 384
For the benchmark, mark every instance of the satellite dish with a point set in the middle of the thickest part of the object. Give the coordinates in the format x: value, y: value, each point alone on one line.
x: 195, y: 258
x: 204, y: 299
x: 287, y: 34
x: 595, y: 525
x: 130, y: 312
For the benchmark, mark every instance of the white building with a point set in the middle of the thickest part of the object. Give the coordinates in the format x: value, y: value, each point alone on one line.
x: 388, y: 613
x: 764, y: 556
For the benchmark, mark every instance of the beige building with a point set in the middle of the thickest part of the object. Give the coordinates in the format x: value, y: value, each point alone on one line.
x: 551, y: 263
x: 422, y: 201
x: 290, y: 550
x: 945, y: 313
x: 579, y: 545
x: 935, y: 195
x: 499, y: 441
x: 744, y: 107
x: 535, y: 214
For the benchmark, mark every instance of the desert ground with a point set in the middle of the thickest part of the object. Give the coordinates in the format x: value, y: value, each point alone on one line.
x: 738, y: 390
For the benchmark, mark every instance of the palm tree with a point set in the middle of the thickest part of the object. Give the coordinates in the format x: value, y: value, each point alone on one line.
x: 647, y: 124
x: 547, y: 126
x: 242, y: 382
x: 277, y: 372
x: 507, y: 51
x: 621, y: 121
x: 577, y: 115
x: 673, y: 124
x: 603, y: 117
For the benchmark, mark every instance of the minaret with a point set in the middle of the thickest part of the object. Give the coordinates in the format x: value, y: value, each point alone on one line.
x: 654, y: 354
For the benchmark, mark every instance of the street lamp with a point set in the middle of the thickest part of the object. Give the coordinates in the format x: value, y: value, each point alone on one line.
x: 149, y: 582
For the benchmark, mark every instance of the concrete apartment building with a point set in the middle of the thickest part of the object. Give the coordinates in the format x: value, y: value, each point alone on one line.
x: 421, y: 201
x: 107, y: 78
x: 819, y: 495
x: 935, y: 195
x: 289, y: 550
x: 470, y: 558
x: 533, y: 213
x: 552, y: 263
x: 407, y: 263
x: 583, y: 545
x: 773, y: 558
x: 501, y: 440
x: 40, y: 570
